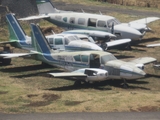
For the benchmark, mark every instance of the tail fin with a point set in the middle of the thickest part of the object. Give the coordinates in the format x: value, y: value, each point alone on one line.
x: 45, y: 7
x: 39, y: 41
x: 16, y: 32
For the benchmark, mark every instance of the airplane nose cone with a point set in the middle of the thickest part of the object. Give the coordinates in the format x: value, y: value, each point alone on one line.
x: 122, y: 31
x: 131, y: 72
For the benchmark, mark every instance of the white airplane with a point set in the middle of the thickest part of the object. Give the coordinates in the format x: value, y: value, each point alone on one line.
x: 91, y: 65
x: 75, y: 20
x: 153, y: 45
x: 62, y: 41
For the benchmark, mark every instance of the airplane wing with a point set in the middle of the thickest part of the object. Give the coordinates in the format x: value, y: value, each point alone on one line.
x: 92, y: 33
x: 68, y: 74
x: 146, y: 20
x: 153, y: 45
x: 34, y: 17
x: 13, y: 55
x: 143, y: 60
x: 118, y: 42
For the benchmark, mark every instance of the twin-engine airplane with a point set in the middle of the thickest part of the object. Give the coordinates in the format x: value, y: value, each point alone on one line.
x: 62, y: 41
x: 91, y: 65
x: 75, y: 20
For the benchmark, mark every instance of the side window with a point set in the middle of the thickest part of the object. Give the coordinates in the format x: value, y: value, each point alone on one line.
x: 57, y: 17
x: 101, y: 23
x: 77, y: 58
x: 92, y: 22
x: 50, y: 40
x: 81, y: 21
x: 72, y: 20
x: 84, y: 58
x: 58, y: 41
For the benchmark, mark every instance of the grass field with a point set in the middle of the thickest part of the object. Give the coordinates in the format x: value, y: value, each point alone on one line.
x: 26, y: 88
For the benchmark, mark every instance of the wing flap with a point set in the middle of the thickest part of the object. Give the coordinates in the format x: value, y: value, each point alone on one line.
x: 143, y: 60
x: 34, y: 17
x: 146, y: 20
x: 118, y: 42
x: 68, y: 74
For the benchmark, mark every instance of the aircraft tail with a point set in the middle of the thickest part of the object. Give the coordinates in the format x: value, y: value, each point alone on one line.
x: 45, y: 7
x: 39, y: 41
x: 16, y: 33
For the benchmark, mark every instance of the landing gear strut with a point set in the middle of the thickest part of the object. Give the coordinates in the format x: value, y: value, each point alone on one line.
x: 77, y: 83
x: 125, y: 85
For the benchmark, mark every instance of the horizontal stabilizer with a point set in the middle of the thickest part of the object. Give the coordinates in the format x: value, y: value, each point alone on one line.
x: 8, y: 42
x: 14, y: 55
x: 153, y: 45
x: 118, y: 42
x: 34, y: 17
x: 146, y: 20
x: 144, y: 60
x: 68, y: 74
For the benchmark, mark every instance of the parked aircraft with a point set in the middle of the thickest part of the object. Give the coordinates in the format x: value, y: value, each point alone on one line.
x: 75, y: 20
x: 91, y: 65
x: 62, y: 41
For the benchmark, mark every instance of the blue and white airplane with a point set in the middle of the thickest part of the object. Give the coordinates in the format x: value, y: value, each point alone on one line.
x: 91, y: 65
x: 87, y: 21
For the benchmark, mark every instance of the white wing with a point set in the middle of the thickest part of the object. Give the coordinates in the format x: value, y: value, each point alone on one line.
x: 146, y: 20
x: 143, y: 60
x: 34, y: 17
x: 68, y: 74
x: 118, y: 42
x: 153, y: 45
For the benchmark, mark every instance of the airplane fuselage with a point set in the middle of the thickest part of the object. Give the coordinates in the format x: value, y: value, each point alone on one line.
x: 72, y: 61
x: 73, y: 20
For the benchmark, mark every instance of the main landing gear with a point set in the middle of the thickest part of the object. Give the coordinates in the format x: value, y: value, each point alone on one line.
x: 125, y: 85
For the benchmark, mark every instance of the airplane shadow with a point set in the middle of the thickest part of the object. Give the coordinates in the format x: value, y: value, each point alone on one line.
x: 150, y: 75
x: 25, y: 68
x: 123, y: 56
x: 104, y: 85
x: 137, y: 42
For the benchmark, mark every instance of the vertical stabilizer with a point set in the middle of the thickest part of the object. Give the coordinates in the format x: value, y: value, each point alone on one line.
x: 45, y: 7
x: 39, y: 41
x: 16, y: 33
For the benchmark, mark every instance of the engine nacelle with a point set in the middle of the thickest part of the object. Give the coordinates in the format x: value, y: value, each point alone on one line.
x: 140, y: 66
x: 95, y: 74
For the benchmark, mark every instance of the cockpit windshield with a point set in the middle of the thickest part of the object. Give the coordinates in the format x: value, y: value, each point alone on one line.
x: 107, y: 58
x: 112, y: 21
x: 71, y: 38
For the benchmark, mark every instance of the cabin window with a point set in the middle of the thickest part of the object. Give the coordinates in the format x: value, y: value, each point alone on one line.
x: 81, y: 21
x: 57, y: 17
x: 101, y: 23
x: 92, y: 22
x: 72, y: 20
x: 58, y: 41
x: 84, y: 58
x: 77, y: 58
x: 50, y: 40
x: 65, y: 19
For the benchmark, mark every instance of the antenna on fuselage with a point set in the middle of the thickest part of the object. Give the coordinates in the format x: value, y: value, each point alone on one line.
x: 100, y: 13
x: 82, y: 10
x: 53, y: 32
